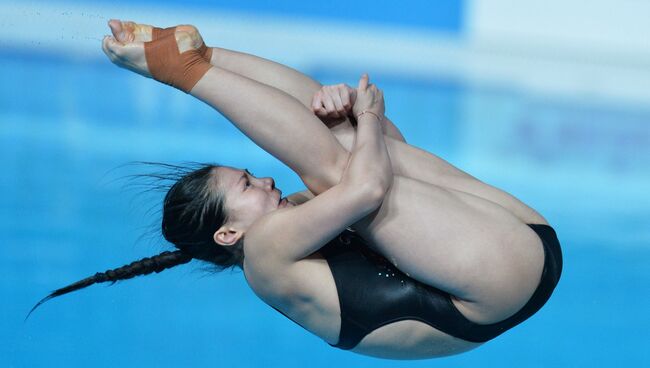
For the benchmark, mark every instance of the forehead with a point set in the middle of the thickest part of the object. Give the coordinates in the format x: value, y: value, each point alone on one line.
x: 227, y: 177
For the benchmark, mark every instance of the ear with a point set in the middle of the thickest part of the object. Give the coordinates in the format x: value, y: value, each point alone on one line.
x: 227, y: 236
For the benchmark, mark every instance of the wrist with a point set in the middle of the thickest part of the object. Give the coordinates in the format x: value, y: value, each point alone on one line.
x: 369, y: 113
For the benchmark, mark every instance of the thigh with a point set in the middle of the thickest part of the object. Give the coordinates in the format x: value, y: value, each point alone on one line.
x: 465, y: 245
x: 416, y: 163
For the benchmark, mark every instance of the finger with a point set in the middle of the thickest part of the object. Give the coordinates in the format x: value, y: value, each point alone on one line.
x: 322, y: 112
x: 363, y: 82
x: 353, y: 95
x: 316, y: 101
x: 329, y: 105
x: 317, y: 104
x: 338, y: 104
x: 318, y: 107
x: 345, y: 99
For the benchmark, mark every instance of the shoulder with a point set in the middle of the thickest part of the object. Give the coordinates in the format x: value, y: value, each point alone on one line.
x: 305, y: 292
x: 267, y: 272
x: 280, y: 283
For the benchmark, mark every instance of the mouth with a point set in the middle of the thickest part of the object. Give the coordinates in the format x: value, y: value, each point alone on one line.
x: 281, y: 200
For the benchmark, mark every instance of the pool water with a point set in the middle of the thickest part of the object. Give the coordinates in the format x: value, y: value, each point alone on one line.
x: 67, y: 128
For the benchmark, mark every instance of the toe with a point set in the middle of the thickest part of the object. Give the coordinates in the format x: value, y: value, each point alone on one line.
x: 107, y: 50
x: 116, y: 26
x: 121, y: 30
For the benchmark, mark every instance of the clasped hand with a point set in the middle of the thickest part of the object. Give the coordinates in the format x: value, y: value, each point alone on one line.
x: 338, y: 101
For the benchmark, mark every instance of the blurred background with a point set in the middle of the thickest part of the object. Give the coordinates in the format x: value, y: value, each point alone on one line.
x: 548, y: 100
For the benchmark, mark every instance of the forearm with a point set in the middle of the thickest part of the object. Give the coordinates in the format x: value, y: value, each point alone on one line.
x: 277, y: 75
x: 369, y: 160
x: 277, y: 123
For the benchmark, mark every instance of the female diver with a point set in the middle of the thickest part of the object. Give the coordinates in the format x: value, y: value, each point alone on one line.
x: 390, y: 252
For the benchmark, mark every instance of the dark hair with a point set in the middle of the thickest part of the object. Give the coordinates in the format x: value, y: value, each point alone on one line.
x: 193, y: 209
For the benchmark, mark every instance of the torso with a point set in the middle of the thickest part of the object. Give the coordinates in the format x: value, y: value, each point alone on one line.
x: 318, y: 311
x: 317, y: 307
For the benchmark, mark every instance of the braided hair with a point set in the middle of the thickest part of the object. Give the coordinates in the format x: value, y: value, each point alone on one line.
x: 193, y: 209
x: 144, y: 266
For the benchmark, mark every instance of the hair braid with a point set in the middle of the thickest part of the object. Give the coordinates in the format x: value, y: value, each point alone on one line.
x: 144, y: 266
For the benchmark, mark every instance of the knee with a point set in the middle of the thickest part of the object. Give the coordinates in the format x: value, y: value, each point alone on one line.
x: 327, y: 176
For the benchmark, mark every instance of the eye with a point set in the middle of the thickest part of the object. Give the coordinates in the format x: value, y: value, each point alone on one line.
x: 247, y: 184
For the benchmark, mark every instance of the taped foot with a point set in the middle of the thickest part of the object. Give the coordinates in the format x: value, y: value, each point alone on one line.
x: 176, y: 60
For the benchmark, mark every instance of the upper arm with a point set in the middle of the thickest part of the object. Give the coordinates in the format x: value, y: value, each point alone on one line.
x: 291, y: 234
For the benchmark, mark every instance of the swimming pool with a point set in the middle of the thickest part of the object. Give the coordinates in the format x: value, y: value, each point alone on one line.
x: 67, y: 126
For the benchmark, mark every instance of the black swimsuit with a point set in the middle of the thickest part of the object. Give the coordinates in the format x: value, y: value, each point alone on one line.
x: 373, y: 293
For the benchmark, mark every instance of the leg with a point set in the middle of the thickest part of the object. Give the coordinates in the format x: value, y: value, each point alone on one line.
x: 274, y: 120
x: 468, y: 246
x: 415, y: 163
x: 461, y: 243
x: 450, y: 250
x: 406, y: 160
x: 277, y: 123
x: 282, y: 77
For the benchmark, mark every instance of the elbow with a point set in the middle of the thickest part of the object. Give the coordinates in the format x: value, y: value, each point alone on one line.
x: 381, y: 183
x: 376, y: 192
x: 367, y: 194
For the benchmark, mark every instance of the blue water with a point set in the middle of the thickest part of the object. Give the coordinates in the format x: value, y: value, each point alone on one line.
x: 67, y: 127
x: 446, y: 16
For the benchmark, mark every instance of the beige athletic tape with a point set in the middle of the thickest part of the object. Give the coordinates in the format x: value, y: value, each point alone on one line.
x: 157, y: 33
x: 167, y: 65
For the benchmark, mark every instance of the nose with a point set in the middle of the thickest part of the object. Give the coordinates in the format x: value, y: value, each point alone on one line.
x: 269, y: 182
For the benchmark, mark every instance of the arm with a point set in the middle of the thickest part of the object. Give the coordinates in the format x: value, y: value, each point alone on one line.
x: 370, y: 148
x: 361, y: 191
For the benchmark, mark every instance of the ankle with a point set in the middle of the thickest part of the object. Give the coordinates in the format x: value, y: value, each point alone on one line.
x: 176, y: 61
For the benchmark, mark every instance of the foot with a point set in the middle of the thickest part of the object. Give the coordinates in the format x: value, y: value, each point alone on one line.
x: 127, y: 31
x: 125, y: 48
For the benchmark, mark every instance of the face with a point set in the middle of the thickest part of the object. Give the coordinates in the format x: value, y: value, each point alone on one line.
x: 248, y: 197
